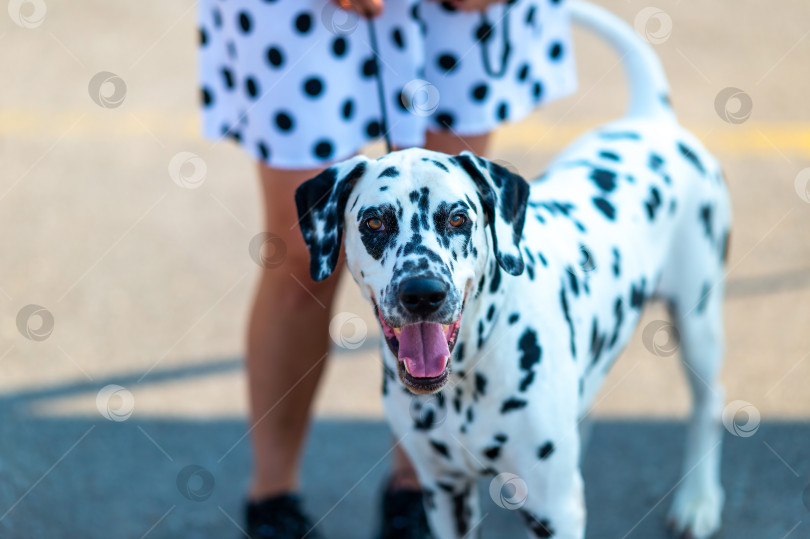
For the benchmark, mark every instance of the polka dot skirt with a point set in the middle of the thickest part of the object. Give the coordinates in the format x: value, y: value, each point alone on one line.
x: 294, y: 81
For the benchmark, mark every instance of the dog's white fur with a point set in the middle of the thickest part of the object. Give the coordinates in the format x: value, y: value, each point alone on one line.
x: 619, y: 217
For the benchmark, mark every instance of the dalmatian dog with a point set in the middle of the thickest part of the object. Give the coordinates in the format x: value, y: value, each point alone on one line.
x: 505, y: 302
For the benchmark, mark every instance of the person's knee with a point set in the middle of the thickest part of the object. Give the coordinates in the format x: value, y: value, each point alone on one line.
x: 290, y: 286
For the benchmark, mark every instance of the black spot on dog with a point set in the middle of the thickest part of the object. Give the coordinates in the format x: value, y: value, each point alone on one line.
x: 501, y: 437
x: 514, y: 317
x: 538, y: 527
x: 637, y: 296
x: 496, y: 279
x: 656, y: 161
x: 704, y: 297
x: 597, y: 341
x: 526, y: 381
x: 512, y: 403
x: 545, y: 450
x: 610, y: 156
x: 390, y: 172
x: 616, y: 135
x: 706, y: 217
x: 492, y: 452
x: 490, y: 313
x: 724, y: 245
x: 384, y: 188
x: 604, y: 179
x: 440, y: 448
x: 425, y: 421
x: 480, y: 384
x: 619, y: 313
x: 440, y: 165
x: 653, y: 203
x: 459, y: 351
x: 530, y: 350
x: 376, y: 241
x: 462, y: 511
x: 470, y: 415
x: 691, y: 156
x: 616, y: 262
x: 605, y: 207
x: 572, y: 279
x: 567, y: 314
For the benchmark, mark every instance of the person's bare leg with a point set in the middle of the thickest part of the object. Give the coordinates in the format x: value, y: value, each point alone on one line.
x: 287, y: 342
x: 403, y: 475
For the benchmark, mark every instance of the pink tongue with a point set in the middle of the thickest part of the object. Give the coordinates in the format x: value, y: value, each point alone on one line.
x: 423, y: 348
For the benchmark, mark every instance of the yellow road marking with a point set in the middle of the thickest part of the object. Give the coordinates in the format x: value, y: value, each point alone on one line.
x: 789, y: 138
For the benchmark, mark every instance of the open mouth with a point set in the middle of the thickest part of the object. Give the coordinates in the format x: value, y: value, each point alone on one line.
x: 423, y: 352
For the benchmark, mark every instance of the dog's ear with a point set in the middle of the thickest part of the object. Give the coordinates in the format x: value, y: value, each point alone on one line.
x: 504, y: 196
x: 321, y: 203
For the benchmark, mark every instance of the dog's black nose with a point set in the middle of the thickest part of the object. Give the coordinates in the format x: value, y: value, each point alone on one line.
x: 422, y: 296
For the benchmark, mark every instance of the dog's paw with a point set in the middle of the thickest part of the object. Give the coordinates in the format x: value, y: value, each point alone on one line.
x: 695, y: 512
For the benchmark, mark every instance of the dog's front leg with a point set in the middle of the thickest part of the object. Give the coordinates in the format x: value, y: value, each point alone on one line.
x: 452, y: 507
x: 555, y: 507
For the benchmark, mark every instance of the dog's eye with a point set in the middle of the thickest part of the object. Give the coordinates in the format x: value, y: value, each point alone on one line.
x: 375, y: 223
x: 457, y: 220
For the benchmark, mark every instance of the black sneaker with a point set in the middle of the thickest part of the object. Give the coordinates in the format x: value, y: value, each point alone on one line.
x: 403, y: 515
x: 279, y: 517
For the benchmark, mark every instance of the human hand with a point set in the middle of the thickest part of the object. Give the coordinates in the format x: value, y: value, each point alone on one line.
x: 366, y: 8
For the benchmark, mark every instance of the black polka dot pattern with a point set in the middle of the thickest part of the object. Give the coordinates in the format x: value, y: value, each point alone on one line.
x: 313, y: 87
x: 303, y: 23
x: 275, y: 57
x: 298, y: 92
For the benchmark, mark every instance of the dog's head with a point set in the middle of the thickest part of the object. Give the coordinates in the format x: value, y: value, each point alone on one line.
x: 419, y: 228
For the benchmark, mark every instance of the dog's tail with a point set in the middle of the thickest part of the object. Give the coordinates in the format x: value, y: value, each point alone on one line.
x: 649, y: 89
